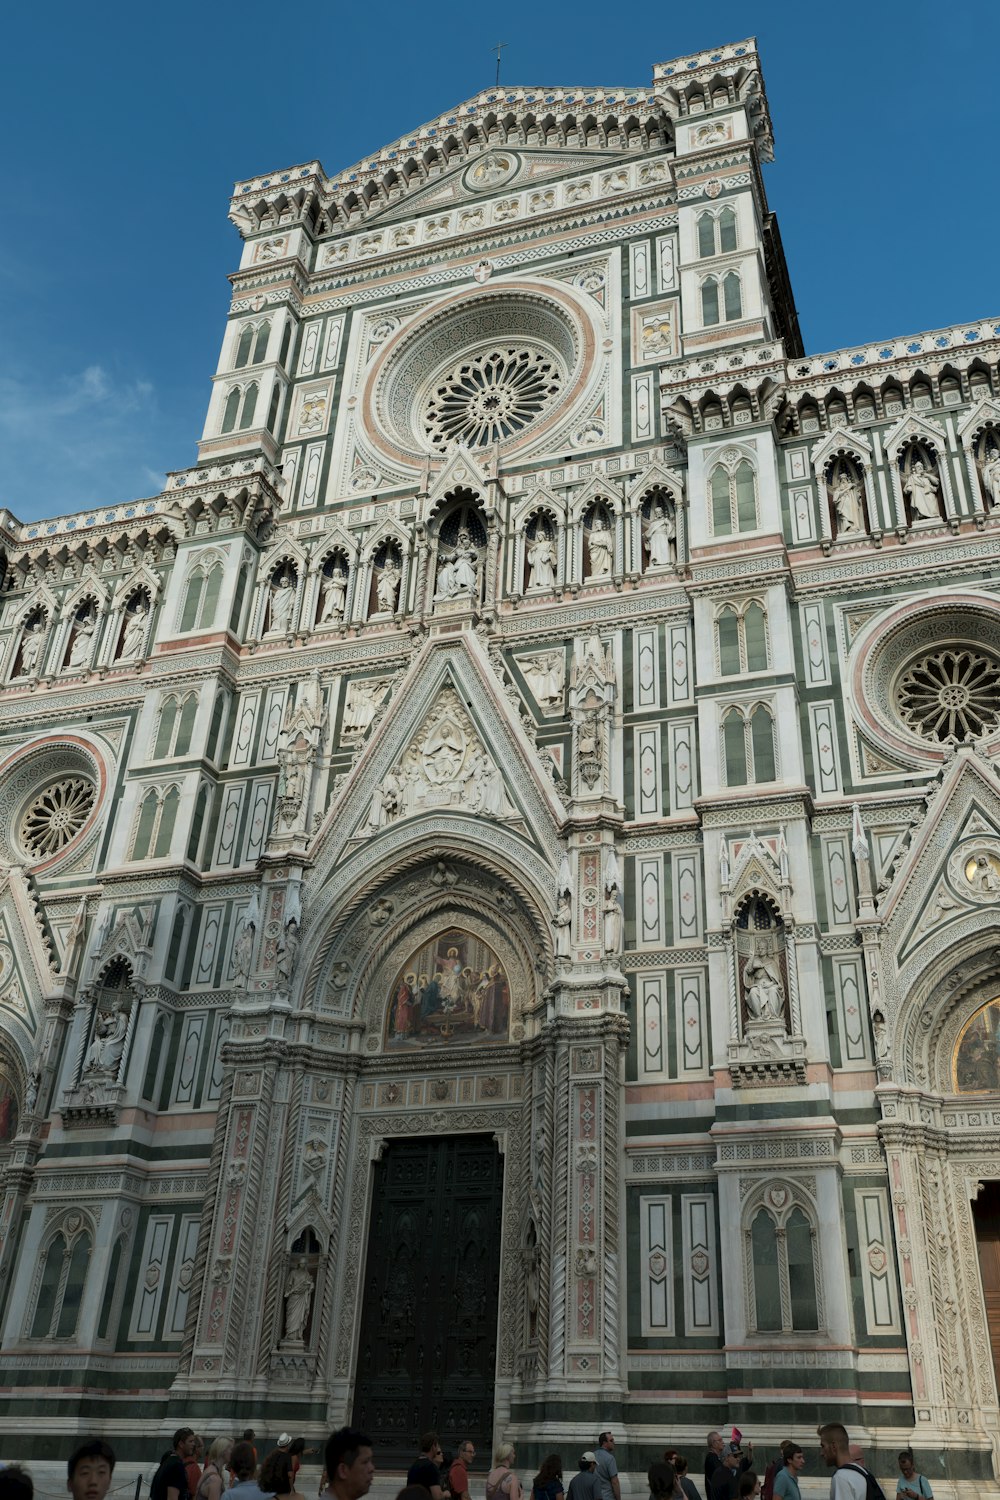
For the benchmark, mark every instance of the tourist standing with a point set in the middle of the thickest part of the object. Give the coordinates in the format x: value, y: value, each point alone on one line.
x: 607, y: 1467
x: 243, y: 1467
x: 458, y: 1474
x: 849, y: 1480
x: 170, y: 1480
x: 585, y: 1485
x: 350, y: 1464
x: 687, y: 1483
x: 276, y: 1476
x: 910, y: 1484
x: 725, y: 1482
x: 501, y: 1482
x: 786, y: 1480
x: 714, y: 1443
x: 212, y: 1481
x: 548, y: 1482
x: 426, y: 1467
x: 89, y: 1470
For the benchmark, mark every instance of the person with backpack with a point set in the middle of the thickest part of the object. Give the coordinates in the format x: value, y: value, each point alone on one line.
x: 850, y: 1481
x: 910, y: 1484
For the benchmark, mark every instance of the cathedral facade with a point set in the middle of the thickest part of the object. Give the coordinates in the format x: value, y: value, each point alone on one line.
x: 499, y: 862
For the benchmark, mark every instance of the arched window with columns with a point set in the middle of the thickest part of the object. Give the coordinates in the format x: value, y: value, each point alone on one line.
x: 782, y: 1262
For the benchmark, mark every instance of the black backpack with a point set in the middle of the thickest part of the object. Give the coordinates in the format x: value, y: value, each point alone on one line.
x: 875, y: 1490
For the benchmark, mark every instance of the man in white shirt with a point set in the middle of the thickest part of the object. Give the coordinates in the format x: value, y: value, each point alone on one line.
x: 848, y: 1482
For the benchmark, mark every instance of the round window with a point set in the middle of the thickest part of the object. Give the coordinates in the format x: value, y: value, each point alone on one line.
x: 950, y: 694
x: 55, y: 815
x: 492, y: 396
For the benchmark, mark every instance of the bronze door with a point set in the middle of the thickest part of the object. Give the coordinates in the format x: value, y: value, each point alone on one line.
x: 986, y: 1215
x: 427, y: 1352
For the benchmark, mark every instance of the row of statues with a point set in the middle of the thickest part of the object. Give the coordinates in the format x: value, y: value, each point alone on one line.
x: 920, y: 484
x: 82, y: 639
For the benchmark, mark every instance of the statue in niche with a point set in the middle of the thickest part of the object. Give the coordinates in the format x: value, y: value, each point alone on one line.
x: 288, y: 952
x: 298, y: 1300
x: 984, y: 877
x: 922, y: 486
x: 361, y: 705
x: 991, y: 475
x: 293, y: 762
x: 282, y: 592
x: 458, y: 570
x: 386, y: 801
x: 31, y: 646
x: 31, y: 1091
x: 243, y: 954
x: 659, y: 534
x: 562, y: 922
x: 848, y: 503
x: 880, y: 1033
x: 134, y: 635
x: 333, y: 597
x: 544, y: 675
x: 600, y: 547
x: 614, y: 920
x: 83, y: 640
x: 387, y: 580
x: 541, y: 560
x: 105, y: 1051
x: 763, y: 988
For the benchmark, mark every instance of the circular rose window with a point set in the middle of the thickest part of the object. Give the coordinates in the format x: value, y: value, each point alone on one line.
x: 489, y: 398
x: 55, y: 815
x: 951, y: 694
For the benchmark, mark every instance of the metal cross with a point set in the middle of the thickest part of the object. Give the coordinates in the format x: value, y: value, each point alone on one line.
x: 498, y: 48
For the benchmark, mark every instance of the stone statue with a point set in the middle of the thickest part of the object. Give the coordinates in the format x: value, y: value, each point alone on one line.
x: 562, y: 921
x: 288, y: 952
x: 298, y: 1300
x: 847, y: 503
x: 545, y: 675
x: 387, y: 586
x: 458, y: 570
x: 135, y: 633
x: 880, y: 1032
x: 83, y: 641
x: 764, y: 990
x: 984, y: 877
x: 660, y: 535
x: 922, y: 488
x: 614, y: 923
x: 333, y: 598
x: 243, y: 955
x: 385, y: 801
x: 282, y: 599
x: 31, y: 1091
x: 541, y: 561
x: 105, y: 1051
x: 600, y: 545
x: 991, y: 475
x: 291, y: 777
x: 363, y: 699
x: 31, y: 646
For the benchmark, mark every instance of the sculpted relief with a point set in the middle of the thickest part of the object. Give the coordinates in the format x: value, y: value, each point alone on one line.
x: 446, y: 766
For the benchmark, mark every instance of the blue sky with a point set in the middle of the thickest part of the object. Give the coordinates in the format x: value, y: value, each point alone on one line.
x: 126, y: 127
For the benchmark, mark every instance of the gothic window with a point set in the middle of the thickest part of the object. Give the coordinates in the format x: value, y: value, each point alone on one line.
x: 244, y: 346
x: 232, y: 409
x: 61, y: 1286
x: 104, y: 1330
x: 952, y: 693
x: 157, y: 1051
x: 197, y: 824
x: 202, y: 597
x: 155, y: 824
x: 710, y: 302
x: 249, y: 406
x: 727, y: 230
x: 260, y: 343
x: 783, y: 1265
x: 176, y: 726
x: 748, y: 746
x: 742, y: 639
x: 706, y: 235
x: 252, y: 346
x: 272, y: 415
x: 732, y: 296
x: 733, y: 495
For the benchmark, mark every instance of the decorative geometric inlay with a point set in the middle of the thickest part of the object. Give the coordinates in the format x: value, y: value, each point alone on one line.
x: 951, y: 694
x: 491, y: 397
x: 55, y: 816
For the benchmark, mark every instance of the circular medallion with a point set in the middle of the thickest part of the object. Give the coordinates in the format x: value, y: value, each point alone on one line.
x: 951, y: 694
x: 490, y: 171
x: 491, y: 397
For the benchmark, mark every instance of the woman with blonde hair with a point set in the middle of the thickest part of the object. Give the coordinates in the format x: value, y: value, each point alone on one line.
x: 501, y: 1482
x: 212, y: 1481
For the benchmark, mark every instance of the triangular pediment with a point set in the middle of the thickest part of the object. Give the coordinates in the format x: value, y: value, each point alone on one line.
x: 27, y: 972
x: 451, y: 749
x: 950, y: 872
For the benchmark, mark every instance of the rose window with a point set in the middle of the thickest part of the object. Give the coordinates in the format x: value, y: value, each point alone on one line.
x: 950, y: 694
x: 55, y: 815
x: 491, y: 397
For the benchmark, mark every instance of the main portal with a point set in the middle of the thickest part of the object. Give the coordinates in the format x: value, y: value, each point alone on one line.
x: 427, y: 1350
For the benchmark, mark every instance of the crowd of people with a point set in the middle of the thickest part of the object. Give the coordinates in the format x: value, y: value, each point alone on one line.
x: 231, y: 1468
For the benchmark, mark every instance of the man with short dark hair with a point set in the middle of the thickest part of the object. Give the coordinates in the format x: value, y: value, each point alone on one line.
x: 607, y: 1467
x: 786, y: 1480
x: 458, y: 1474
x: 170, y: 1480
x: 89, y: 1470
x: 16, y: 1483
x: 585, y: 1485
x: 849, y: 1480
x: 350, y: 1464
x: 426, y: 1468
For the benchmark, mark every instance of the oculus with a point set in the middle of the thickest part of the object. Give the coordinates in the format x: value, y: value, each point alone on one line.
x: 491, y: 397
x: 951, y: 694
x: 453, y: 989
x: 55, y: 816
